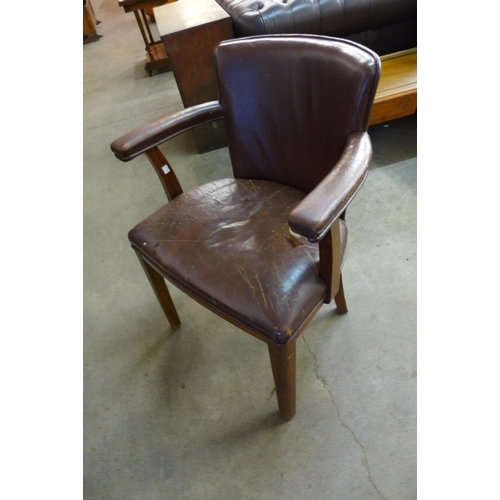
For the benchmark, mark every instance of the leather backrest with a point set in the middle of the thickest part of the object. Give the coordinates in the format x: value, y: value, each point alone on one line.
x: 290, y: 102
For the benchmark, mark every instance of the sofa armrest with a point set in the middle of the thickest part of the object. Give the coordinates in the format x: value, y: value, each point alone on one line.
x: 148, y: 136
x: 317, y: 212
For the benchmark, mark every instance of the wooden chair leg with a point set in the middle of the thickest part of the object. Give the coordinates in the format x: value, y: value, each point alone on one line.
x: 340, y: 298
x: 283, y: 362
x: 159, y: 286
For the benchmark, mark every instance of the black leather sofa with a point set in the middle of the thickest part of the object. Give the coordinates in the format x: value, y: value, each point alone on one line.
x: 384, y: 26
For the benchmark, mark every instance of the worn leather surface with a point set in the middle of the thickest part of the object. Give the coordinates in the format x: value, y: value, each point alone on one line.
x: 383, y: 25
x: 314, y: 215
x: 154, y: 133
x: 229, y: 243
x: 290, y: 102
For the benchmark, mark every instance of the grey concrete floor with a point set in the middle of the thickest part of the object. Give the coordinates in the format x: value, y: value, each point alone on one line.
x: 191, y: 414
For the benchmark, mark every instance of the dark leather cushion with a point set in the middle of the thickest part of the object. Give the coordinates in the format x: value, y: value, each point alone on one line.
x: 228, y: 244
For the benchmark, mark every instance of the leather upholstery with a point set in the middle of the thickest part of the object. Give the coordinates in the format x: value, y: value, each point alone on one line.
x: 280, y: 125
x: 154, y: 133
x: 235, y: 252
x: 382, y: 25
x: 314, y: 215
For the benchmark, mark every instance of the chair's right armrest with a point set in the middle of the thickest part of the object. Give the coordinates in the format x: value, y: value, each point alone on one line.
x: 316, y: 213
x: 151, y: 135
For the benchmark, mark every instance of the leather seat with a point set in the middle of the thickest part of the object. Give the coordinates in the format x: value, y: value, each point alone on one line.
x: 226, y: 254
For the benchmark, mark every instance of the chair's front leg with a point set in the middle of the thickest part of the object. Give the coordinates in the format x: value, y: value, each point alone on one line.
x: 283, y: 362
x: 159, y: 286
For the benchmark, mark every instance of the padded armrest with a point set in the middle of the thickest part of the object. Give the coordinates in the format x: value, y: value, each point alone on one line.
x: 316, y: 213
x: 153, y: 134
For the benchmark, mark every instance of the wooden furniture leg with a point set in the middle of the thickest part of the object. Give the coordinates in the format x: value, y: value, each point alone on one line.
x: 329, y: 261
x: 283, y: 363
x: 162, y: 294
x: 340, y: 301
x: 89, y: 24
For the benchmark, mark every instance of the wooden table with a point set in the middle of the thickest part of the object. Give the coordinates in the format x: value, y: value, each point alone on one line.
x: 156, y: 56
x: 397, y: 90
x: 190, y: 30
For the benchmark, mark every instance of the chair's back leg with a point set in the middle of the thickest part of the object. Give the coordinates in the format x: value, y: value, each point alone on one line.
x: 283, y: 362
x: 340, y: 301
x: 162, y: 294
x: 330, y: 256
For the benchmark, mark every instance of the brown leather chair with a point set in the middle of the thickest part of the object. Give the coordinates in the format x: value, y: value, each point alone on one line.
x: 264, y: 250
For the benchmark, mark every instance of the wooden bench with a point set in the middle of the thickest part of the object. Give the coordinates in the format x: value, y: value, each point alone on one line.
x: 397, y: 90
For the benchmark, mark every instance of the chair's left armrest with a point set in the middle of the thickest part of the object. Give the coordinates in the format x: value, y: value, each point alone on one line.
x: 317, y: 212
x: 153, y: 134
